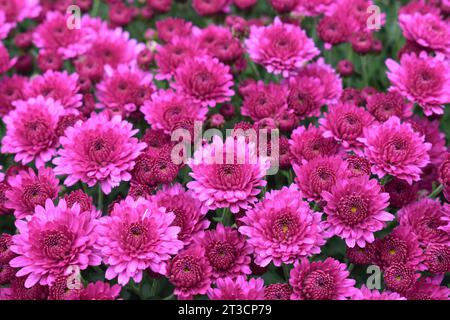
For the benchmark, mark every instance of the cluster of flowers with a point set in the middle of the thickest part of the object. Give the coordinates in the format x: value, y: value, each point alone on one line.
x: 362, y: 168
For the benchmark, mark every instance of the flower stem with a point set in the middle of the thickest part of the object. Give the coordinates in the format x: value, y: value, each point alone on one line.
x: 95, y: 7
x: 364, y: 70
x: 100, y: 198
x: 286, y: 271
x: 436, y: 192
x: 169, y: 297
x: 154, y: 288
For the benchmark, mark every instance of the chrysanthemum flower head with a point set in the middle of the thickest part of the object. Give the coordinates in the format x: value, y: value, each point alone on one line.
x: 422, y: 79
x: 31, y: 130
x: 54, y: 239
x: 124, y: 89
x: 282, y: 228
x: 313, y: 8
x: 60, y: 86
x: 281, y: 48
x: 384, y: 105
x: 227, y: 174
x: 11, y: 89
x: 395, y: 149
x: 205, y: 80
x: 366, y: 294
x: 321, y: 280
x: 237, y: 289
x: 137, y: 235
x: 278, y: 291
x: 187, y: 209
x: 19, y: 10
x: 170, y: 28
x: 99, y: 150
x: 5, y: 26
x: 318, y: 175
x: 305, y: 96
x: 190, y: 272
x: 428, y: 288
x: 345, y: 123
x: 167, y: 108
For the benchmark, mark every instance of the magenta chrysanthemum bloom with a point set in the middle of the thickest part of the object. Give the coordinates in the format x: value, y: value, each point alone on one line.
x: 60, y: 86
x: 28, y: 190
x: 11, y: 89
x: 345, y: 123
x: 426, y: 219
x: 356, y: 209
x: 124, y: 89
x: 98, y: 150
x: 5, y: 26
x: 282, y: 48
x: 400, y: 246
x: 227, y: 174
x: 400, y: 277
x: 167, y: 108
x: 395, y: 149
x: 318, y: 175
x: 264, y: 101
x: 170, y: 56
x: 428, y: 30
x: 437, y: 258
x: 433, y: 135
x: 384, y: 105
x: 100, y: 291
x: 55, y: 238
x: 314, y: 8
x: 282, y: 228
x: 114, y: 47
x: 305, y: 96
x: 227, y: 252
x: 137, y: 235
x: 205, y: 80
x: 31, y: 130
x: 171, y: 28
x: 190, y: 272
x: 422, y: 79
x: 428, y: 288
x: 321, y: 280
x: 19, y: 10
x: 187, y: 210
x: 54, y: 35
x: 237, y: 289
x: 309, y: 143
x: 277, y: 291
x: 329, y: 79
x: 366, y: 294
x: 358, y: 166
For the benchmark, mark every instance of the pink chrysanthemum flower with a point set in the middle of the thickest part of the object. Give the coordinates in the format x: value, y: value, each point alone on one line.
x: 422, y: 79
x: 345, y: 123
x: 428, y: 288
x: 384, y: 105
x: 309, y: 143
x: 98, y: 150
x: 356, y: 209
x: 227, y: 174
x: 321, y: 280
x: 366, y: 294
x: 237, y: 289
x: 426, y: 219
x: 205, y: 80
x: 6, y: 62
x: 400, y: 246
x: 124, y: 89
x: 358, y: 166
x: 100, y: 291
x: 428, y: 30
x: 395, y: 149
x: 171, y: 28
x: 264, y: 101
x: 19, y: 10
x: 31, y: 130
x: 277, y: 291
x: 190, y: 272
x: 282, y: 228
x: 28, y: 190
x: 433, y: 135
x: 170, y: 56
x: 5, y: 26
x: 187, y: 210
x: 227, y: 251
x: 114, y: 47
x: 318, y: 175
x: 54, y: 35
x: 135, y: 236
x: 305, y: 96
x: 329, y: 79
x: 59, y: 86
x: 282, y: 48
x: 55, y: 238
x: 11, y: 89
x: 167, y: 108
x: 437, y: 258
x: 314, y: 8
